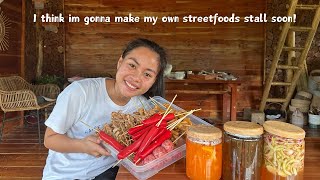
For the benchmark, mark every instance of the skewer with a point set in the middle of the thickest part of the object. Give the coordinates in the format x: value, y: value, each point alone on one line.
x: 156, y: 102
x: 89, y: 126
x: 167, y: 111
x: 120, y: 161
x: 158, y: 124
x: 179, y: 137
x: 174, y: 124
x: 187, y: 112
x: 117, y: 163
x: 142, y: 104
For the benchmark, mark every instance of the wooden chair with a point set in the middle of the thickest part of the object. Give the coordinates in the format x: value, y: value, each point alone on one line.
x: 16, y: 94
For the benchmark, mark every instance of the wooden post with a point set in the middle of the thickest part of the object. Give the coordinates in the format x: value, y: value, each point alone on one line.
x: 39, y: 45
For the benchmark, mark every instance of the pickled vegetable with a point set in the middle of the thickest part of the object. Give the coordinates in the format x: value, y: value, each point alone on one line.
x: 204, y: 160
x: 283, y: 157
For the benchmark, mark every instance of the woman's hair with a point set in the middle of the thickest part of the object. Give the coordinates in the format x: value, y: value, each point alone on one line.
x: 157, y: 89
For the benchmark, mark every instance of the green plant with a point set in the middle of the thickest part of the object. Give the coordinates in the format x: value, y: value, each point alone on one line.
x: 50, y: 79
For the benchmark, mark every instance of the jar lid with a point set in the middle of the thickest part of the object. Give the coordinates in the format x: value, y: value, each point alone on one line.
x: 284, y: 129
x: 204, y: 132
x: 243, y: 128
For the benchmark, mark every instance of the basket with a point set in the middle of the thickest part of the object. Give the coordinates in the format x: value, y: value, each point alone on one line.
x: 300, y: 103
x: 314, y: 82
x: 273, y: 111
x: 303, y: 95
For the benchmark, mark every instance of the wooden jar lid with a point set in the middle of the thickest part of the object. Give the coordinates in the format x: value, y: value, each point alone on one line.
x: 284, y: 129
x: 243, y: 128
x: 204, y: 132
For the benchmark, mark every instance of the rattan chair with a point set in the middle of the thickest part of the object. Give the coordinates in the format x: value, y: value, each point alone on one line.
x: 16, y: 94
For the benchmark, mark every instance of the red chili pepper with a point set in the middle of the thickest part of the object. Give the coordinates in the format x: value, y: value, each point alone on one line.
x: 149, y: 121
x: 155, y: 144
x: 110, y: 140
x: 131, y: 148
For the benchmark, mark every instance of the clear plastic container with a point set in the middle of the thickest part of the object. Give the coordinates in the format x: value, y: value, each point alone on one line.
x: 204, y: 152
x: 242, y: 150
x: 284, y: 150
x: 153, y: 167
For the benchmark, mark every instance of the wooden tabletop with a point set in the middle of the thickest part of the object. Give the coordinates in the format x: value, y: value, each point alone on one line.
x: 177, y: 170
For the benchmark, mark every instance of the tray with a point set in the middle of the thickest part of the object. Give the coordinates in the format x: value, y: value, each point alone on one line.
x: 152, y: 168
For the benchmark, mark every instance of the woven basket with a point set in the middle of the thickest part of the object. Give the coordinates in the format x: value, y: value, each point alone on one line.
x: 300, y: 103
x: 314, y: 82
x: 303, y: 95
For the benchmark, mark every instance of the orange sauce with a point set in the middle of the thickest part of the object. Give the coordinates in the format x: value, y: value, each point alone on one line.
x: 267, y: 175
x: 202, y: 161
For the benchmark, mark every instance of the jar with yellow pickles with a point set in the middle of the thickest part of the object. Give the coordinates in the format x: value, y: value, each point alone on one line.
x: 204, y: 152
x: 284, y: 149
x: 242, y: 150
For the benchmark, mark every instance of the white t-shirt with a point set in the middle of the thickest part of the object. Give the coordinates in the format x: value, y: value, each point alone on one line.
x: 85, y: 100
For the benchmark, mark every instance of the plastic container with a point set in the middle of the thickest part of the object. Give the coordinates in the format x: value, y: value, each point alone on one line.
x: 314, y: 121
x: 242, y: 150
x: 153, y: 167
x: 284, y: 150
x: 204, y: 152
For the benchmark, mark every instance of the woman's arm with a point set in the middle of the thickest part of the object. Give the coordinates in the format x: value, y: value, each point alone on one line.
x: 63, y: 143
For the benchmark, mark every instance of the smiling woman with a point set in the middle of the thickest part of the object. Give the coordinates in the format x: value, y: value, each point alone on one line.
x: 74, y: 150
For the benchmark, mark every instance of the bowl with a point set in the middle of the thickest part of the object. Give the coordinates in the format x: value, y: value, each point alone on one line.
x: 179, y: 75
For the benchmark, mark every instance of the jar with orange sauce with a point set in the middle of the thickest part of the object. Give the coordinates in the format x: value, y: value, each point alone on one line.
x: 204, y: 152
x: 242, y: 150
x: 284, y: 150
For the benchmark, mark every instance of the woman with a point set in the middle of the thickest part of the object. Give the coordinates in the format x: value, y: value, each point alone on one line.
x: 75, y: 151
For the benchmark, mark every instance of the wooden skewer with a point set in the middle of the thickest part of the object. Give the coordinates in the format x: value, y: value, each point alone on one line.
x: 89, y: 126
x: 115, y: 164
x: 174, y: 124
x: 120, y: 161
x: 187, y: 112
x: 141, y: 103
x: 179, y: 137
x: 158, y: 124
x: 156, y: 102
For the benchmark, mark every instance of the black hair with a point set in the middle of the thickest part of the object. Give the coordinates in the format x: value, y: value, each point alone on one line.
x: 157, y: 89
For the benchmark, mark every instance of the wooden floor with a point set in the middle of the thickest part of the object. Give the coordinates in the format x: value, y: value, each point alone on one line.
x: 21, y: 157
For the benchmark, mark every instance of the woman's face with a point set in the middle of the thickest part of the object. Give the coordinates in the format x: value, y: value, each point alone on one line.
x: 137, y: 72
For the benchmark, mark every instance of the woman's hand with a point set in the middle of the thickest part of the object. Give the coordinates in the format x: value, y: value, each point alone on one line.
x: 92, y: 146
x: 62, y: 143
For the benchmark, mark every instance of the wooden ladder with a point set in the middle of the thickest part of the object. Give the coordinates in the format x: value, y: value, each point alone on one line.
x: 297, y: 68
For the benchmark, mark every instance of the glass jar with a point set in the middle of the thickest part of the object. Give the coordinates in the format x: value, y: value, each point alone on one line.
x: 203, y: 152
x: 284, y: 150
x: 242, y: 150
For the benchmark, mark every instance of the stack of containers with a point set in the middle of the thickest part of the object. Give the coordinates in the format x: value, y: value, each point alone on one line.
x: 242, y: 150
x: 301, y: 102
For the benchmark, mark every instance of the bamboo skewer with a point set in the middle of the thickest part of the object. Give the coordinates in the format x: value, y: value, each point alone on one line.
x: 156, y: 102
x: 174, y: 124
x: 142, y: 104
x: 89, y: 126
x: 168, y: 110
x: 187, y: 112
x: 179, y: 137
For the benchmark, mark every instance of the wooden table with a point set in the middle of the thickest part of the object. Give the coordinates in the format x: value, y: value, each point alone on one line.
x: 177, y: 170
x: 227, y: 87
